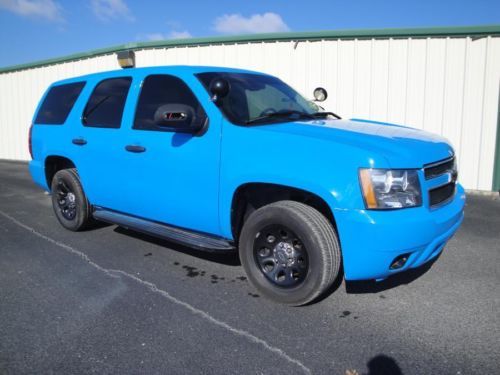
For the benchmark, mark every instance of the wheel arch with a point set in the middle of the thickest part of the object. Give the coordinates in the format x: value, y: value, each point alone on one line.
x: 250, y: 196
x: 53, y: 164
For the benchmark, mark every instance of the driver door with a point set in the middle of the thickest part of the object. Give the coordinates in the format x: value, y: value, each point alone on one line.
x: 171, y: 176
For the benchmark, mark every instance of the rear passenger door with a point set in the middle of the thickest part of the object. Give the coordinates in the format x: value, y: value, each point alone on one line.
x: 171, y: 176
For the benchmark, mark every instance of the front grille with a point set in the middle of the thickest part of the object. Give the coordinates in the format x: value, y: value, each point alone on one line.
x: 441, y: 194
x: 437, y: 169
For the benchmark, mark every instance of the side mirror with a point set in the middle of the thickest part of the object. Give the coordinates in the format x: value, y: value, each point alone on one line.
x: 178, y: 117
x: 320, y: 94
x: 219, y: 88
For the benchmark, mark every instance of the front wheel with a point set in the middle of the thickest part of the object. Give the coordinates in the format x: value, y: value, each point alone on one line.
x: 290, y: 252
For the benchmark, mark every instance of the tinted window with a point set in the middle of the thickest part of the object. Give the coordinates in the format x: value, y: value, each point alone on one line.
x: 158, y: 90
x: 105, y: 106
x: 58, y: 103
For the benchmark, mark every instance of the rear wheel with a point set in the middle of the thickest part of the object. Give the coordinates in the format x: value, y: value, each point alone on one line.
x: 70, y: 204
x: 290, y: 252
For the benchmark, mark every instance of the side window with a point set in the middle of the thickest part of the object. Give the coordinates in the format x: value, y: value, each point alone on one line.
x: 105, y: 106
x: 159, y: 90
x: 58, y: 103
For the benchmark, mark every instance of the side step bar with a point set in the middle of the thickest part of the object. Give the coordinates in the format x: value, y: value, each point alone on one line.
x: 182, y: 236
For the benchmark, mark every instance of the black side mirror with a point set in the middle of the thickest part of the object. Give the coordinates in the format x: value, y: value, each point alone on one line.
x: 320, y: 94
x: 219, y: 88
x: 178, y: 117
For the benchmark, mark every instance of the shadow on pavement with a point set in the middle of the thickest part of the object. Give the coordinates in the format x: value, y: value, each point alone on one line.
x: 383, y: 365
x: 231, y: 258
x: 403, y: 278
x: 228, y: 258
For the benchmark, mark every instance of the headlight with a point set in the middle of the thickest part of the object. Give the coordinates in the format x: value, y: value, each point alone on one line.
x: 388, y: 189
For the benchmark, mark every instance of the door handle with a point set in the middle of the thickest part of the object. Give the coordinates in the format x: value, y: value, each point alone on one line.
x: 135, y: 148
x: 79, y: 141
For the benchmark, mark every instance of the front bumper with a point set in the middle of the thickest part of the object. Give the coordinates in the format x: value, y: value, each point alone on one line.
x: 371, y: 240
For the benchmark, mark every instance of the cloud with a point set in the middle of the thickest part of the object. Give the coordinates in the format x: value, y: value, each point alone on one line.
x: 257, y: 23
x: 152, y: 36
x: 179, y: 35
x: 161, y: 36
x: 107, y: 10
x: 46, y: 9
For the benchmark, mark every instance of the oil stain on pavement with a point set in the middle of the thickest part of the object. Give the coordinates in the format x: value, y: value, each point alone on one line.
x: 214, y: 279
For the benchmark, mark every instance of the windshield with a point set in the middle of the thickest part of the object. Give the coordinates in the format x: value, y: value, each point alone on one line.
x: 259, y: 98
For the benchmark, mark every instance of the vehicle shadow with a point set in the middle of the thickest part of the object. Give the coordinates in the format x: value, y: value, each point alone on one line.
x: 228, y: 258
x: 403, y: 278
x: 383, y: 365
x: 96, y: 224
x: 231, y: 258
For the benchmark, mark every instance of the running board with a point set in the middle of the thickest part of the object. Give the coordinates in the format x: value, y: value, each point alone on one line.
x: 182, y: 236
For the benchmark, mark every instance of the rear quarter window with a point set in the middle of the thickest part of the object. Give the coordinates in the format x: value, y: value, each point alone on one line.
x: 58, y: 103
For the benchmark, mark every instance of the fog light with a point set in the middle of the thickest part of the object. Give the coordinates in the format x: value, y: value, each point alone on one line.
x: 399, y: 261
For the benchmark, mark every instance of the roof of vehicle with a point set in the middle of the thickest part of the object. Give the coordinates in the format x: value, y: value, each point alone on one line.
x: 165, y: 69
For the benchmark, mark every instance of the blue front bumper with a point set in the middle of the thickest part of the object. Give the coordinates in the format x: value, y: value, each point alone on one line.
x: 371, y: 240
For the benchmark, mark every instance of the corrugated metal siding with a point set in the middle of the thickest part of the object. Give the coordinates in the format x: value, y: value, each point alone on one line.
x: 446, y: 85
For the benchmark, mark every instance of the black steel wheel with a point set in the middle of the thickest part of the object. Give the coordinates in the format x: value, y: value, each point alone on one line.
x: 290, y: 252
x: 281, y: 256
x: 69, y: 202
x: 66, y: 200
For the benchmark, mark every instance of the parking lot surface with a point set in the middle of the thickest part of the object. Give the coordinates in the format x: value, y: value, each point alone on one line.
x: 110, y: 300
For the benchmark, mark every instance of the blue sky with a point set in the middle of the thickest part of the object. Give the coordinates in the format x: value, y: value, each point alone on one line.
x: 31, y: 30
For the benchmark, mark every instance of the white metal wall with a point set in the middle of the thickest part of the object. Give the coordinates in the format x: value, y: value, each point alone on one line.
x: 448, y: 86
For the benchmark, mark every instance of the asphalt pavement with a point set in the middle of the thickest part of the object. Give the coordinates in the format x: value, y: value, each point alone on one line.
x: 113, y: 301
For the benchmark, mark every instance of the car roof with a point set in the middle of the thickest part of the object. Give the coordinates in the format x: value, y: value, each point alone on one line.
x: 164, y: 69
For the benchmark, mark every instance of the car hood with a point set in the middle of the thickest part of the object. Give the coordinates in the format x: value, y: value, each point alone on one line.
x: 401, y: 146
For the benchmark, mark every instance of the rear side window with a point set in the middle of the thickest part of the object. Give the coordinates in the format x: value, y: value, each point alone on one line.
x: 105, y: 106
x: 161, y: 89
x: 58, y: 103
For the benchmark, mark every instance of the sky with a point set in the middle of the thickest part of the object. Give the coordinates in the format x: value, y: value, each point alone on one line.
x: 32, y: 30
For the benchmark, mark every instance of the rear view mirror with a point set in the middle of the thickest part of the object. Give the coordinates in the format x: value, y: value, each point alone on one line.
x: 177, y: 117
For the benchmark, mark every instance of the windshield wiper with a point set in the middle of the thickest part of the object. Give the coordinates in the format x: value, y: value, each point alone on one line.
x: 286, y: 114
x: 325, y: 114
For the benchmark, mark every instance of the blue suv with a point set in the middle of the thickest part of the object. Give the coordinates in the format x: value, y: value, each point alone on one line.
x: 220, y: 158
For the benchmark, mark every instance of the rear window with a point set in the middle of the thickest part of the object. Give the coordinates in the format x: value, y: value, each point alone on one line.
x: 58, y: 103
x: 105, y: 106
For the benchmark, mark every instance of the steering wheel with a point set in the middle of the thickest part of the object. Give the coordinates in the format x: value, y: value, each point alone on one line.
x: 268, y: 111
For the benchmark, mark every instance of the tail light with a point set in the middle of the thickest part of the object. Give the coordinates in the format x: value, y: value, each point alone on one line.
x: 30, y: 145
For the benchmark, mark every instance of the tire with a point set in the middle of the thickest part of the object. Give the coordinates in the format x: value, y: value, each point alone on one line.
x: 301, y: 263
x: 69, y: 202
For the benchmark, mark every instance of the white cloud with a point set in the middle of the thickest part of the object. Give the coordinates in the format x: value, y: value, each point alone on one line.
x: 47, y: 9
x: 107, y: 10
x: 257, y: 23
x: 171, y: 35
x: 152, y: 36
x: 179, y: 35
